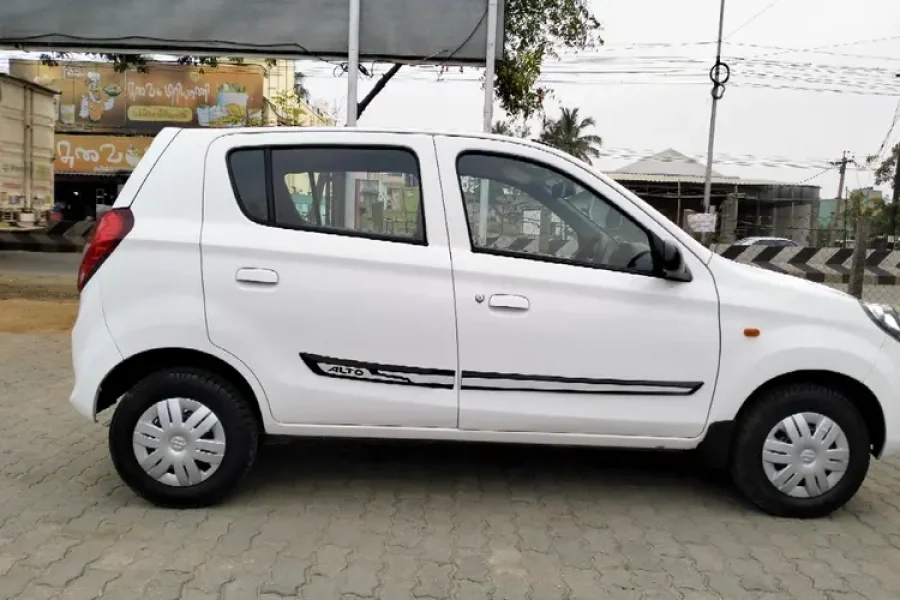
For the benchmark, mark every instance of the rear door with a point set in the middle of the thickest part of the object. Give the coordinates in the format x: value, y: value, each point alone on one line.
x: 326, y: 270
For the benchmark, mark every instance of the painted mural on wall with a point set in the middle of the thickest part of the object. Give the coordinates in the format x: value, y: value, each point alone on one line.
x: 94, y: 97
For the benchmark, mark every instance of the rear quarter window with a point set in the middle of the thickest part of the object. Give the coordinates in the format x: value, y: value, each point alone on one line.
x: 248, y: 176
x: 360, y: 191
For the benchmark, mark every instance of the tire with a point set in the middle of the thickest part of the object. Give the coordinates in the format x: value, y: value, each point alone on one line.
x: 749, y: 469
x: 232, y: 441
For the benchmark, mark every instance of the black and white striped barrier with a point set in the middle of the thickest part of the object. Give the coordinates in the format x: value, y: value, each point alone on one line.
x: 822, y: 265
x: 63, y: 236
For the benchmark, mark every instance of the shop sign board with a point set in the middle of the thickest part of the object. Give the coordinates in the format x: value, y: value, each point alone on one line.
x: 98, y: 154
x: 94, y: 97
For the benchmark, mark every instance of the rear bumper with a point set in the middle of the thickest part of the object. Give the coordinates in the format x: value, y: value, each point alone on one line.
x: 884, y: 381
x: 94, y: 353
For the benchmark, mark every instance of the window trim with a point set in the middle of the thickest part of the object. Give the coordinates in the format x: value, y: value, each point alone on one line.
x: 267, y: 150
x: 543, y: 257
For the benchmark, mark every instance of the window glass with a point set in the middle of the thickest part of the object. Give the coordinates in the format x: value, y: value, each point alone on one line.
x: 531, y: 210
x: 372, y: 192
x: 365, y: 190
x: 248, y: 170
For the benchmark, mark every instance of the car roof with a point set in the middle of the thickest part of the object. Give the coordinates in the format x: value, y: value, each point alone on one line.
x: 223, y: 131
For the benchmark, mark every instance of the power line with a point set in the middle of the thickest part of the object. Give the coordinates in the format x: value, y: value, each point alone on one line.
x: 887, y: 137
x: 821, y: 50
x: 822, y: 172
x: 837, y: 45
x: 753, y: 18
x: 811, y: 85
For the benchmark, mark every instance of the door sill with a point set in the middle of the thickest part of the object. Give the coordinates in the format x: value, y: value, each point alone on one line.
x: 466, y: 435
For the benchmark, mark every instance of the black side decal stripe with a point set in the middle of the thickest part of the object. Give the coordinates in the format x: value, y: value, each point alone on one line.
x: 475, y: 380
x: 619, y: 392
x: 340, y: 368
x: 574, y: 380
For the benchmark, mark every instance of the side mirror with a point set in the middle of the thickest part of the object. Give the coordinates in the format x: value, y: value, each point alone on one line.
x: 669, y: 261
x: 671, y: 257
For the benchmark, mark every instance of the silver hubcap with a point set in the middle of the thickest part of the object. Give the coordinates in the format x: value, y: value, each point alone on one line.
x: 805, y: 455
x: 179, y: 442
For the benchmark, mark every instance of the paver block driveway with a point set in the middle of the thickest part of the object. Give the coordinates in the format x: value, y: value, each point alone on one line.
x: 372, y: 520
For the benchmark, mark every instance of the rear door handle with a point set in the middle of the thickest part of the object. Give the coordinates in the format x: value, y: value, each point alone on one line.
x: 509, y: 301
x: 262, y: 276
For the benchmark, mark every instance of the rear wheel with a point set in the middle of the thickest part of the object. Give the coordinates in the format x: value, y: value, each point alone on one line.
x: 801, y: 451
x: 183, y: 438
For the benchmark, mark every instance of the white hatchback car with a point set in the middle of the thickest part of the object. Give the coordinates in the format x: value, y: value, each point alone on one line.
x: 355, y: 283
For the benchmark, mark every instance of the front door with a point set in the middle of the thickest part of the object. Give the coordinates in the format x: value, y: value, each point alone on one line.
x: 326, y: 270
x: 563, y: 328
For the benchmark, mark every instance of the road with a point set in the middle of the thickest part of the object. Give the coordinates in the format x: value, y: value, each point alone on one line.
x: 356, y: 520
x: 45, y: 263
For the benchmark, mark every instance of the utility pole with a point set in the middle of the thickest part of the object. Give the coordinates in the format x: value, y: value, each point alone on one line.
x: 719, y: 75
x: 840, y: 195
x: 353, y: 63
x: 895, y: 200
x: 488, y: 109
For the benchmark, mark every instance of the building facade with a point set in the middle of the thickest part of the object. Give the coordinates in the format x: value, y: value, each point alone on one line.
x: 105, y: 120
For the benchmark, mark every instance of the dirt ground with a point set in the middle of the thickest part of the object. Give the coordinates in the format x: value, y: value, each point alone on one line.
x: 37, y: 316
x: 37, y: 286
x: 34, y: 303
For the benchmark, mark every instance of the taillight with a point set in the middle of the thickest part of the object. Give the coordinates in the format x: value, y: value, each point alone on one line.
x: 110, y: 231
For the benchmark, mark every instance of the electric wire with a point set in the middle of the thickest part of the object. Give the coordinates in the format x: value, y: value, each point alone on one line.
x: 768, y: 7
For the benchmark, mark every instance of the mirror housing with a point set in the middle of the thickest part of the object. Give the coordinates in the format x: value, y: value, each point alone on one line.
x: 671, y: 257
x: 669, y: 262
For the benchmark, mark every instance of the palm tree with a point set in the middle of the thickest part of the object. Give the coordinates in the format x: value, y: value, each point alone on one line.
x: 502, y: 128
x: 511, y: 129
x: 567, y: 133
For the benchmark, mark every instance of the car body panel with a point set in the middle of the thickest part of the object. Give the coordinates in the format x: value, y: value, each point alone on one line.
x: 159, y: 290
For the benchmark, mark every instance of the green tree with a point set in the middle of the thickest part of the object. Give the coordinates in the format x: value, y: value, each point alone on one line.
x: 535, y: 30
x: 885, y: 171
x: 884, y: 174
x: 512, y: 129
x: 569, y: 134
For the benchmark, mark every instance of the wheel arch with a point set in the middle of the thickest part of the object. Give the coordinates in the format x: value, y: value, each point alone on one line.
x: 717, y: 443
x: 138, y: 366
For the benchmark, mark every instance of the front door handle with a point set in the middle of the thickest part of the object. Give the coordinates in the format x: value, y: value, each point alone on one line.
x: 509, y: 301
x: 262, y: 276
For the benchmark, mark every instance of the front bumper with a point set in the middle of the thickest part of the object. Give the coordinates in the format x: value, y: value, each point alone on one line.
x: 884, y: 382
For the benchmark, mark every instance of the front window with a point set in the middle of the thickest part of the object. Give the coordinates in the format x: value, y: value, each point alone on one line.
x: 530, y: 210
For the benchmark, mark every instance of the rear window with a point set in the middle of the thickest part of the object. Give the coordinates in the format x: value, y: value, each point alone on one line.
x: 360, y: 191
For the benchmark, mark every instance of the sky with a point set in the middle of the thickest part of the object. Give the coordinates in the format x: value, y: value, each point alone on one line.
x: 648, y: 90
x: 652, y: 112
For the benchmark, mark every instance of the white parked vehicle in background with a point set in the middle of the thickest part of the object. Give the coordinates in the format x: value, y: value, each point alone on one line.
x: 765, y: 241
x: 354, y: 283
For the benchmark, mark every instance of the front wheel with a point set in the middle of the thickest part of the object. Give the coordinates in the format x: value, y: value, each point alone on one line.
x: 801, y: 451
x: 183, y: 438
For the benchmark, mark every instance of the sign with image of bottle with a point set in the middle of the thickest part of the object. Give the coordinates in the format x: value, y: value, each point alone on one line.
x: 94, y: 97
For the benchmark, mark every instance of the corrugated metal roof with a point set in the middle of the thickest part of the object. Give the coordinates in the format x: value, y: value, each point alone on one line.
x: 671, y: 166
x: 670, y: 163
x: 663, y: 178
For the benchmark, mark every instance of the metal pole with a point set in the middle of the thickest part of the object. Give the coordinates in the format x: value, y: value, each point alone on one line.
x: 490, y: 59
x: 352, y: 63
x: 716, y: 94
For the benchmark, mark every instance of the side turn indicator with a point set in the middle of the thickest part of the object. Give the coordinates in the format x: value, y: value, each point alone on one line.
x: 751, y: 332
